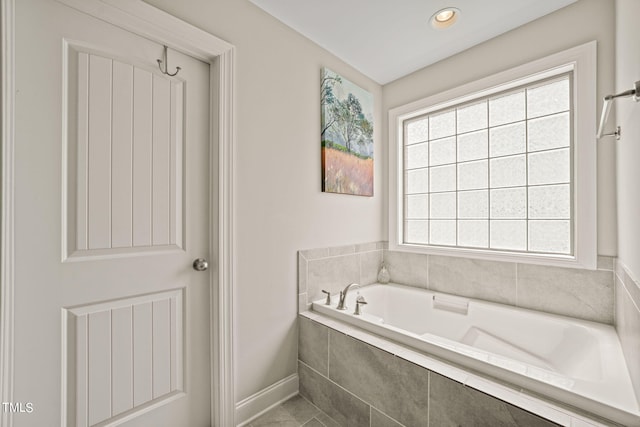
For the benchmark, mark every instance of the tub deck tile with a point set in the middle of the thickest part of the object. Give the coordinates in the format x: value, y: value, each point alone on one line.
x: 398, y: 388
x: 378, y: 419
x: 345, y: 408
x: 453, y: 403
x: 313, y: 345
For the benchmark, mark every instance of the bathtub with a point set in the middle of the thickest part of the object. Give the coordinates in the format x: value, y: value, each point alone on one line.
x: 579, y: 363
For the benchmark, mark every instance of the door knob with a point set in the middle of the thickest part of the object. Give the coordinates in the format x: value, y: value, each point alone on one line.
x: 200, y: 264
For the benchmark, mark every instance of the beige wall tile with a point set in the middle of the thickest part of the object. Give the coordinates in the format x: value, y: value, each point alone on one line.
x: 339, y: 404
x: 378, y: 419
x: 302, y: 273
x: 407, y: 268
x: 585, y: 294
x: 331, y: 274
x: 369, y: 266
x: 313, y: 345
x: 395, y: 386
x: 628, y: 327
x: 453, y: 404
x: 486, y: 280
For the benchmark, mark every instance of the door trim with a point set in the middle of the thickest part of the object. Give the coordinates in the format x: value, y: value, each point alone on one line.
x: 6, y: 209
x: 145, y: 20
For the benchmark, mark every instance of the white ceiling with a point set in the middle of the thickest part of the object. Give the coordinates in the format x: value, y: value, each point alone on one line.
x: 388, y: 39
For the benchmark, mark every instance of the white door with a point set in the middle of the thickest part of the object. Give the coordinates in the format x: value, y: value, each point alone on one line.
x: 112, y: 208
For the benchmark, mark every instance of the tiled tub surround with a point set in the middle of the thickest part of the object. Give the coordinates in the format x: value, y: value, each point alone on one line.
x: 583, y: 294
x: 578, y: 293
x: 574, y: 361
x: 331, y: 269
x: 627, y: 320
x: 360, y: 379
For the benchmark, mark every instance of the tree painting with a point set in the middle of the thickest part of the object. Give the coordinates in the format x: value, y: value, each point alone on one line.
x: 346, y: 135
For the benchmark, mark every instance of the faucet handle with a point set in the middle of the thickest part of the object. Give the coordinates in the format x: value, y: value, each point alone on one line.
x: 359, y: 301
x: 328, y: 301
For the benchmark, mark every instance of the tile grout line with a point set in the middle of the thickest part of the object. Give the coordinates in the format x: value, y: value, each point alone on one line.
x: 428, y: 397
x: 337, y: 385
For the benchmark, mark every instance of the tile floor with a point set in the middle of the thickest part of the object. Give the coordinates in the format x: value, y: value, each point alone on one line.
x: 295, y: 412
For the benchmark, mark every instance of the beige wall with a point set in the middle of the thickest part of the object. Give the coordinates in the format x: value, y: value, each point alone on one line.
x: 628, y: 148
x: 579, y: 23
x: 280, y: 207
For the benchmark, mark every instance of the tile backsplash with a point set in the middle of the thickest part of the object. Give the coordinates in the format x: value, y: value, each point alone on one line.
x: 331, y: 269
x: 584, y: 294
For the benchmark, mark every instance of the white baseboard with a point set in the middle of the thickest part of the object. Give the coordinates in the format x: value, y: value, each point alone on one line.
x: 255, y: 405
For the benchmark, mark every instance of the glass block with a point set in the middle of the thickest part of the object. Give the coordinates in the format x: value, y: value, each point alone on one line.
x: 550, y: 202
x: 443, y: 178
x: 506, y: 109
x: 507, y: 139
x: 472, y: 175
x: 416, y: 156
x: 442, y: 125
x: 442, y: 151
x: 472, y: 146
x: 416, y: 232
x: 548, y: 99
x: 549, y: 132
x: 508, y: 234
x: 472, y: 117
x: 549, y: 167
x: 473, y: 233
x: 473, y: 204
x: 417, y: 206
x: 509, y: 203
x: 417, y: 181
x: 442, y: 232
x: 508, y: 171
x: 442, y: 205
x: 550, y: 236
x: 417, y: 131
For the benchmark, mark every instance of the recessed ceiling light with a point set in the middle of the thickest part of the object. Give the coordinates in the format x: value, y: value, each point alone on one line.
x: 445, y: 17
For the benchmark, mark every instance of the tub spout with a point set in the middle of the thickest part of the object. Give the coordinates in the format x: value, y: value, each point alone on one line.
x: 343, y: 296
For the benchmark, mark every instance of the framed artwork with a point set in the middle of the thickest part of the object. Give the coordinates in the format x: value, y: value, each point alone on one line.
x: 346, y: 136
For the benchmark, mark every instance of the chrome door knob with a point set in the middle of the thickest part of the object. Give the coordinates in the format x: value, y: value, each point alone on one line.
x: 200, y: 264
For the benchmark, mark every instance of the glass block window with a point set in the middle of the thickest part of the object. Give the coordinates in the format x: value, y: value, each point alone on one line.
x: 493, y: 173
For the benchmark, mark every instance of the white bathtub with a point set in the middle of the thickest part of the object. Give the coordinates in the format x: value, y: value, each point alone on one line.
x: 576, y: 362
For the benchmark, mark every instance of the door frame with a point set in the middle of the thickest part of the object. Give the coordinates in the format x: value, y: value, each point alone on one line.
x: 147, y: 21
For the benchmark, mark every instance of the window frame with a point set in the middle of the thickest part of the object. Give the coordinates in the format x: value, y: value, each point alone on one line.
x: 581, y: 62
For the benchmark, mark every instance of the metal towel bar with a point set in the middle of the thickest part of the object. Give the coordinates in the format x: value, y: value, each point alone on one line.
x: 606, y: 107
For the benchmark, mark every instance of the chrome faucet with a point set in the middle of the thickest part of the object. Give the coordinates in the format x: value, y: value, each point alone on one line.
x: 343, y: 296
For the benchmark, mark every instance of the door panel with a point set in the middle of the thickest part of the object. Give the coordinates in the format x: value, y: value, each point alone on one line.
x: 112, y: 207
x: 125, y: 166
x: 125, y: 354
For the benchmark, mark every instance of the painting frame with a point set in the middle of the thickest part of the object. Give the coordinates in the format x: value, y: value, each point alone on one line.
x: 346, y: 136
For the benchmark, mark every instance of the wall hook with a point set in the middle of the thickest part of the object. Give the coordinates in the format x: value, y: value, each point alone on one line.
x: 166, y: 65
